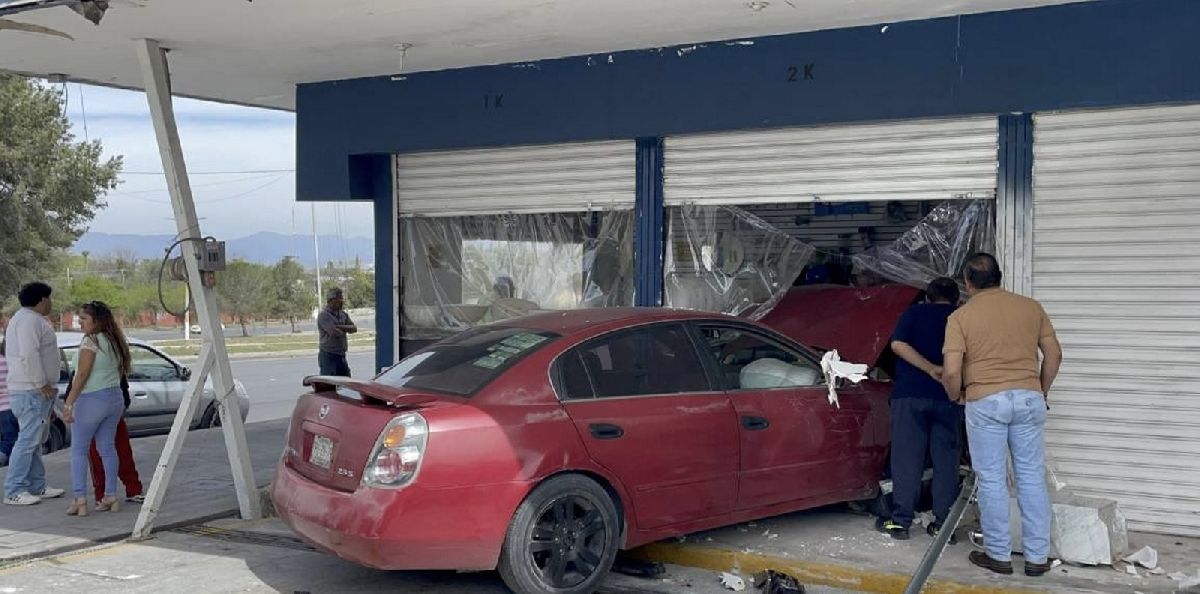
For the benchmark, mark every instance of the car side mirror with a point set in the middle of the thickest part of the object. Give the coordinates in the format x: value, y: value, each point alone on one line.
x: 185, y: 374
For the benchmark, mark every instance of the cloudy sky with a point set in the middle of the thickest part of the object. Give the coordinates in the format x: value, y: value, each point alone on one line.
x: 240, y: 160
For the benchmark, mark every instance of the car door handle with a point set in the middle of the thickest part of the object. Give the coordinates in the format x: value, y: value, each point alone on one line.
x: 755, y: 423
x: 139, y: 394
x: 605, y: 431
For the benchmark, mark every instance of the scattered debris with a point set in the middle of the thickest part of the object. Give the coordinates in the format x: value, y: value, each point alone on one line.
x: 638, y: 568
x: 757, y: 5
x: 884, y: 29
x: 1055, y: 563
x: 777, y: 582
x: 1146, y: 557
x: 732, y: 582
x: 1186, y: 581
x: 1131, y: 570
x: 1158, y: 571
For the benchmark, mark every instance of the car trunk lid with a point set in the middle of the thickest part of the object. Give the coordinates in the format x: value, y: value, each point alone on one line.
x: 857, y: 321
x: 334, y: 428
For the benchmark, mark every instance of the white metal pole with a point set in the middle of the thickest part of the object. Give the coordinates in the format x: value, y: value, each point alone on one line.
x: 317, y: 254
x: 170, y: 453
x: 158, y: 93
x: 187, y: 312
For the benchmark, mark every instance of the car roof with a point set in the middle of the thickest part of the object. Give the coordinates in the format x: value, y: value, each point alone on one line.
x: 67, y: 340
x: 579, y: 320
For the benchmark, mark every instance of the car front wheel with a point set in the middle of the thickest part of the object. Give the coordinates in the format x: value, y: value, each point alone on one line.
x: 562, y: 540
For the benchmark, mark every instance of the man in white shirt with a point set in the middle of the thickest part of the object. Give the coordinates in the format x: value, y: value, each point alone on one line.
x: 33, y: 369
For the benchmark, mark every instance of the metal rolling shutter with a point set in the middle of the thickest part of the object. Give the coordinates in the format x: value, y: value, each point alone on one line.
x: 1116, y: 262
x: 541, y: 178
x: 910, y: 160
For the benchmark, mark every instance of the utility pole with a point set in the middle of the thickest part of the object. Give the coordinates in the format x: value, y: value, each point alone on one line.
x: 213, y: 358
x: 317, y: 253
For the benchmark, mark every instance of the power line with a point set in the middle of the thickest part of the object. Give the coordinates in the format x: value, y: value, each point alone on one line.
x: 206, y: 185
x: 242, y: 172
x: 274, y: 180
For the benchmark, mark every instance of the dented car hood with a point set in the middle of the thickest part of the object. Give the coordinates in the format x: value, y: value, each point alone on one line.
x: 857, y: 321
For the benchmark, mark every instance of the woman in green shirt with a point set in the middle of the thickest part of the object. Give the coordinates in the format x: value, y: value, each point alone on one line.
x: 95, y: 404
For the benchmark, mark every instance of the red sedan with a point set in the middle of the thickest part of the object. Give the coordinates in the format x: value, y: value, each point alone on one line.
x: 543, y: 445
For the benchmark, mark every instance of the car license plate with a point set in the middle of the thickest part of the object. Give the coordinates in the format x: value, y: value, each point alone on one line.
x: 322, y: 451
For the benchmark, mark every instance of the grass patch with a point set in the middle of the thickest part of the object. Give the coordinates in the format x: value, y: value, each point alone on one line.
x: 270, y: 343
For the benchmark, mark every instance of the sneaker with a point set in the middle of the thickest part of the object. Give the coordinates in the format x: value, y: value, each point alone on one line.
x: 982, y: 559
x: 1038, y: 569
x: 22, y: 498
x: 896, y: 531
x: 933, y: 529
x: 139, y: 498
x: 50, y: 493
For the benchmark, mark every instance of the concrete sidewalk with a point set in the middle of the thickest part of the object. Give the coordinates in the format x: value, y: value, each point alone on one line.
x: 835, y: 547
x: 264, y: 556
x: 202, y: 488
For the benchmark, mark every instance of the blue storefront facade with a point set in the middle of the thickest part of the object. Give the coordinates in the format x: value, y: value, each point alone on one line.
x: 1121, y: 66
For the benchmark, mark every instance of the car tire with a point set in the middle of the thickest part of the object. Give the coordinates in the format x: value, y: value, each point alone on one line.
x: 211, y: 418
x: 562, y: 540
x: 56, y: 439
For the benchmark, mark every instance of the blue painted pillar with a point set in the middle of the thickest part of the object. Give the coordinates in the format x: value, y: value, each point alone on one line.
x: 371, y: 179
x: 649, y: 231
x: 385, y: 239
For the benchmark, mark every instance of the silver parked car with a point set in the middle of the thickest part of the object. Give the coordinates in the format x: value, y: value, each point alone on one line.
x: 156, y: 388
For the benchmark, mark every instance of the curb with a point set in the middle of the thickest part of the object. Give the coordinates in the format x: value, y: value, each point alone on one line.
x: 808, y: 572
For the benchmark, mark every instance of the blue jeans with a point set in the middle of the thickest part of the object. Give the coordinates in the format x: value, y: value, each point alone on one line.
x: 9, y: 428
x: 333, y: 364
x: 1011, y: 422
x: 25, y: 470
x: 96, y: 417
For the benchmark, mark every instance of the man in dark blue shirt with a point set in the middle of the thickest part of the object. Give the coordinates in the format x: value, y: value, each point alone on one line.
x: 924, y: 420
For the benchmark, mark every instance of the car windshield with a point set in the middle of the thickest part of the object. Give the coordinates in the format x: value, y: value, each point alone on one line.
x: 464, y: 364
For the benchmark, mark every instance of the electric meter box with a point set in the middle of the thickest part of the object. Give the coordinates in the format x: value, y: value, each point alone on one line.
x: 212, y: 256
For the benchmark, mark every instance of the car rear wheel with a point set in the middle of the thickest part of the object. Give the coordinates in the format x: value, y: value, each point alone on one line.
x: 562, y: 540
x: 211, y: 418
x: 55, y: 439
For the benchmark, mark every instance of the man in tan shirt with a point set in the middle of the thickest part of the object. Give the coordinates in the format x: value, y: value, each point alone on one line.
x: 991, y: 350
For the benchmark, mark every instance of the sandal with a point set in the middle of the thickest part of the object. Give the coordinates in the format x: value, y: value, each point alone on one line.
x: 78, y: 508
x: 109, y: 504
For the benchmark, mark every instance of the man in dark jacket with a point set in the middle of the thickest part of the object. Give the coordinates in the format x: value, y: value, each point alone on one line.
x: 924, y: 420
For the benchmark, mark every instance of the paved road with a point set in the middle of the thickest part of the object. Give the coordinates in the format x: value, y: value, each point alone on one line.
x: 274, y: 384
x: 234, y: 330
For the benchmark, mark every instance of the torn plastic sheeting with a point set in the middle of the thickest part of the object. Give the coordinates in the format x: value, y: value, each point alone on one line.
x: 935, y: 247
x: 724, y: 259
x: 835, y: 369
x: 457, y: 272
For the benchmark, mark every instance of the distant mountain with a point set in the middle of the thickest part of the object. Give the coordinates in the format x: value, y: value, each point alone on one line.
x: 264, y: 248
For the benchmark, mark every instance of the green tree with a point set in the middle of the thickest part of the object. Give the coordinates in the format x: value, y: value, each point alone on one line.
x: 91, y: 288
x: 291, y: 299
x: 50, y: 185
x: 243, y: 291
x: 360, y: 288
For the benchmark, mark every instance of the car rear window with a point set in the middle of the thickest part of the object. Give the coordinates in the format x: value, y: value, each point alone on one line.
x: 464, y: 364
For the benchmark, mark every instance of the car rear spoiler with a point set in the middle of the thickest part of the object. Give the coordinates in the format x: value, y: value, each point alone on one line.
x: 367, y: 391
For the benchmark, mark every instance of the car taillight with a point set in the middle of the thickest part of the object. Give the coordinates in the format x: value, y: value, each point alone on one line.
x: 398, y: 452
